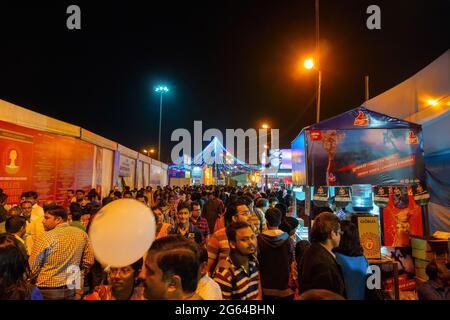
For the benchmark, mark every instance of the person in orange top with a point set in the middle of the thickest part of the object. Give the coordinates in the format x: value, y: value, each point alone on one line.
x: 162, y: 228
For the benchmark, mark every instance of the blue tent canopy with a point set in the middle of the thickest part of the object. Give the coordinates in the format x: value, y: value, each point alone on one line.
x: 359, y: 146
x: 362, y: 118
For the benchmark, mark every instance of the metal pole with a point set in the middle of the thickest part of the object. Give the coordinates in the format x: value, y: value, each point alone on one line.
x: 160, y: 116
x: 366, y: 84
x: 319, y: 85
x: 317, y: 33
x: 319, y: 67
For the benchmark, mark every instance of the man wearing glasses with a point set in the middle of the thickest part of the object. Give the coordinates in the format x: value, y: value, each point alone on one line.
x: 34, y: 227
x: 198, y: 221
x: 318, y: 267
x: 218, y: 247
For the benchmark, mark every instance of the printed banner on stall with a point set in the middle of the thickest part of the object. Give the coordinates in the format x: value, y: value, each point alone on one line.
x: 406, y: 270
x: 42, y: 162
x: 366, y: 156
x: 401, y: 220
x: 298, y: 156
x: 381, y: 197
x: 342, y: 198
x: 421, y: 195
x: 320, y: 196
x: 369, y: 235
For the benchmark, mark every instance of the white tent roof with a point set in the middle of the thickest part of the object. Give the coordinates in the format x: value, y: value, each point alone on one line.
x: 425, y: 99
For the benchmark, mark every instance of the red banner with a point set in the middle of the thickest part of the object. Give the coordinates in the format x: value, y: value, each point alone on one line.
x: 401, y: 223
x: 42, y: 162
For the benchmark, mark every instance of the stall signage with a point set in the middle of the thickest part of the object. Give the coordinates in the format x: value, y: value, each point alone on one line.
x: 320, y: 196
x: 381, y: 197
x: 421, y: 195
x: 342, y: 197
x: 369, y: 236
x: 315, y: 135
x: 361, y: 119
x: 412, y: 138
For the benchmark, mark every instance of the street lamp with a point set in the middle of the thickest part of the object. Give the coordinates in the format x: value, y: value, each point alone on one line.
x: 309, y: 64
x: 265, y: 158
x: 148, y: 151
x: 161, y: 90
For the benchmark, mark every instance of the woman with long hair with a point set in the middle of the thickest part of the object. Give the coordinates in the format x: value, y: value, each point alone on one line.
x: 15, y: 271
x: 350, y: 256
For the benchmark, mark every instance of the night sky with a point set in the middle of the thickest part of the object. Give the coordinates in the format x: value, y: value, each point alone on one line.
x: 231, y: 64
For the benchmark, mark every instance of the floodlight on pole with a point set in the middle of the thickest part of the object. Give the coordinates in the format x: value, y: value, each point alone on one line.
x: 161, y: 90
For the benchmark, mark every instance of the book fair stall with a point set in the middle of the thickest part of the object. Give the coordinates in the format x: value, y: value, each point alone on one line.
x: 369, y: 168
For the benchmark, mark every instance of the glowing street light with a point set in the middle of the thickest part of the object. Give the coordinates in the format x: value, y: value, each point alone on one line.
x: 432, y: 102
x: 309, y: 63
x: 265, y: 126
x: 161, y: 90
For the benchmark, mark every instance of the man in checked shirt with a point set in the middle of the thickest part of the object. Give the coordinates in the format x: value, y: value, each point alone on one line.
x: 58, y: 253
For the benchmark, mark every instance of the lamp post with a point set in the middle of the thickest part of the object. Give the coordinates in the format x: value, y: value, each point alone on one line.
x: 309, y: 64
x: 161, y: 90
x: 265, y: 158
x: 149, y: 151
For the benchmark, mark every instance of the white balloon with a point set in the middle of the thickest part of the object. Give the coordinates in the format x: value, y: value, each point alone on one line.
x: 122, y: 232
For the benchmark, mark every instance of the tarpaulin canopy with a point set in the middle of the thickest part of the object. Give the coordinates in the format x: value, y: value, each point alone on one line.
x: 362, y: 118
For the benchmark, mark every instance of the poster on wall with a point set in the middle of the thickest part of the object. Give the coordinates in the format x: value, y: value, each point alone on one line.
x: 16, y: 149
x: 98, y: 169
x: 402, y: 218
x: 155, y: 175
x: 42, y: 162
x: 406, y: 270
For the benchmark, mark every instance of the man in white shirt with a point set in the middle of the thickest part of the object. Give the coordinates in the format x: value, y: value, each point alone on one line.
x: 207, y: 288
x: 35, y: 228
x: 37, y: 210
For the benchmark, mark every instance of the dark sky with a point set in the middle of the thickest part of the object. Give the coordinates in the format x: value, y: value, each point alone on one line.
x: 228, y: 63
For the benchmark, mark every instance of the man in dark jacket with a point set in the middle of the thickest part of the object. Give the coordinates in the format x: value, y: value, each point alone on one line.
x: 319, y: 269
x: 275, y: 256
x: 212, y: 209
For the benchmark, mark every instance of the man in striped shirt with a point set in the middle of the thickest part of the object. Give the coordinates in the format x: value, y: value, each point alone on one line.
x: 59, y: 254
x: 238, y: 274
x: 218, y: 247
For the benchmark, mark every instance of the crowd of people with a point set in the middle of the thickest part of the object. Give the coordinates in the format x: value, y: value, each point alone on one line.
x: 211, y: 243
